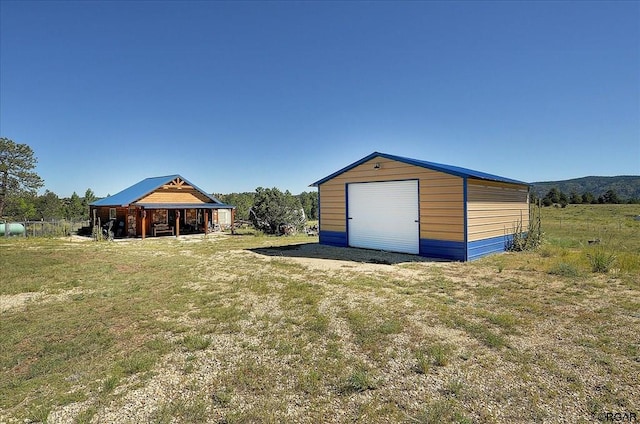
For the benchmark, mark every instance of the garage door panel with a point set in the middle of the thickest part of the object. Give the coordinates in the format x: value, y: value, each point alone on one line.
x: 384, y: 215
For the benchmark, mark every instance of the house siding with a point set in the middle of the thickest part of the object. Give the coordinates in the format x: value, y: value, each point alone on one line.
x: 171, y: 195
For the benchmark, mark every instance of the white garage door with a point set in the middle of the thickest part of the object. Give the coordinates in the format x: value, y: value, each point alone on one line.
x: 384, y: 216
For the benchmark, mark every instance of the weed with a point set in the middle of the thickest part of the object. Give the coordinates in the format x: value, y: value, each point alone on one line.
x: 481, y: 333
x: 39, y: 414
x: 110, y: 383
x: 529, y: 239
x: 222, y: 397
x: 136, y: 363
x: 442, y: 411
x: 310, y: 382
x: 505, y: 320
x: 422, y: 362
x: 196, y: 342
x: 600, y: 259
x: 194, y: 411
x: 454, y: 387
x: 359, y: 380
x: 439, y: 354
x: 86, y: 416
x: 390, y: 326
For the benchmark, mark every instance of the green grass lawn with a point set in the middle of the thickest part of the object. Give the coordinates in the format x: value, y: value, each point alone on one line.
x: 206, y: 330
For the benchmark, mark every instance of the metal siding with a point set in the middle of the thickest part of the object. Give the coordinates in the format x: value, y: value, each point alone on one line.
x: 442, y: 249
x: 493, y: 209
x: 479, y: 248
x: 384, y: 215
x: 441, y: 197
x: 333, y: 238
x: 465, y: 185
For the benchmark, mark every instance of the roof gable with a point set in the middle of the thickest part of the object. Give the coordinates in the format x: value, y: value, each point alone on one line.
x: 447, y: 169
x: 147, y: 186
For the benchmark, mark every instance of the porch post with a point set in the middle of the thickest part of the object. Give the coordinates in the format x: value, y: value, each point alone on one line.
x: 206, y: 222
x: 177, y: 222
x: 144, y: 222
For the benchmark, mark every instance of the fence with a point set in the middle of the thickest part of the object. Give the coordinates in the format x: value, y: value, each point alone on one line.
x: 53, y: 228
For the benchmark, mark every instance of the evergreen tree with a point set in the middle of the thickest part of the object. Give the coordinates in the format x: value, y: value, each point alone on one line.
x: 309, y: 201
x: 588, y: 198
x: 49, y: 206
x: 575, y: 198
x: 89, y: 197
x: 242, y: 202
x: 74, y: 207
x: 17, y: 162
x: 611, y: 197
x: 272, y: 209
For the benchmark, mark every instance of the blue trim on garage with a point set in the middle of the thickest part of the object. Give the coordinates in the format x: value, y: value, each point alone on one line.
x: 447, y: 169
x: 443, y: 249
x: 333, y: 238
x: 465, y: 185
x: 346, y: 214
x: 479, y: 248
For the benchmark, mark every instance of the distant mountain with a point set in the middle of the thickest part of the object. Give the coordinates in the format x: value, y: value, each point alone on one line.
x: 626, y: 186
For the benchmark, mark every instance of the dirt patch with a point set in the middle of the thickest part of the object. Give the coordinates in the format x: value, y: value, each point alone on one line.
x: 20, y: 300
x: 322, y: 257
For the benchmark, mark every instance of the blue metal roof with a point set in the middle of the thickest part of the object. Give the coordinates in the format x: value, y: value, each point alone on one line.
x: 137, y: 191
x: 447, y: 169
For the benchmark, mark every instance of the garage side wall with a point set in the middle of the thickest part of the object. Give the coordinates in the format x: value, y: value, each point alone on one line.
x: 441, y: 205
x: 494, y: 210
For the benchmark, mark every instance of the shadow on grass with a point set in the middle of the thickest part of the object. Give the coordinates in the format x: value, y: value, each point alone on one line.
x: 351, y: 254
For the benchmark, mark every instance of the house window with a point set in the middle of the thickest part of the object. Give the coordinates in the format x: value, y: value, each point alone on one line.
x: 112, y: 213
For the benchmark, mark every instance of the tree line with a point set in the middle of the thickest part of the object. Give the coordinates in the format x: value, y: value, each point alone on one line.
x: 19, y: 184
x: 557, y: 197
x: 48, y: 206
x: 244, y: 202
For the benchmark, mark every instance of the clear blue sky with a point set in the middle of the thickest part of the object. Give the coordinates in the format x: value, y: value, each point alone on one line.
x: 236, y: 95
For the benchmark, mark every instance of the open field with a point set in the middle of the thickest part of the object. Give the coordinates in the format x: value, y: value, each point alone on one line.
x: 243, y: 329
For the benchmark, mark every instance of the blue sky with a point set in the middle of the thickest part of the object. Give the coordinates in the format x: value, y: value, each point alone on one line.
x: 236, y: 95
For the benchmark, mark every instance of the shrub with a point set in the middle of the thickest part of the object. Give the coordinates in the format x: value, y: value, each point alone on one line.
x: 564, y: 269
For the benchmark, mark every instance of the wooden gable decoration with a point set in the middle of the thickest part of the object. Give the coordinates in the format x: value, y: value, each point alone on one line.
x: 178, y: 184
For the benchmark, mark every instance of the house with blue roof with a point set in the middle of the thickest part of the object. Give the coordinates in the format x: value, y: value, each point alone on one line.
x: 167, y: 205
x: 399, y: 204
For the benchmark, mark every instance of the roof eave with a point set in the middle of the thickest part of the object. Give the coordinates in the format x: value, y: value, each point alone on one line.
x: 421, y: 164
